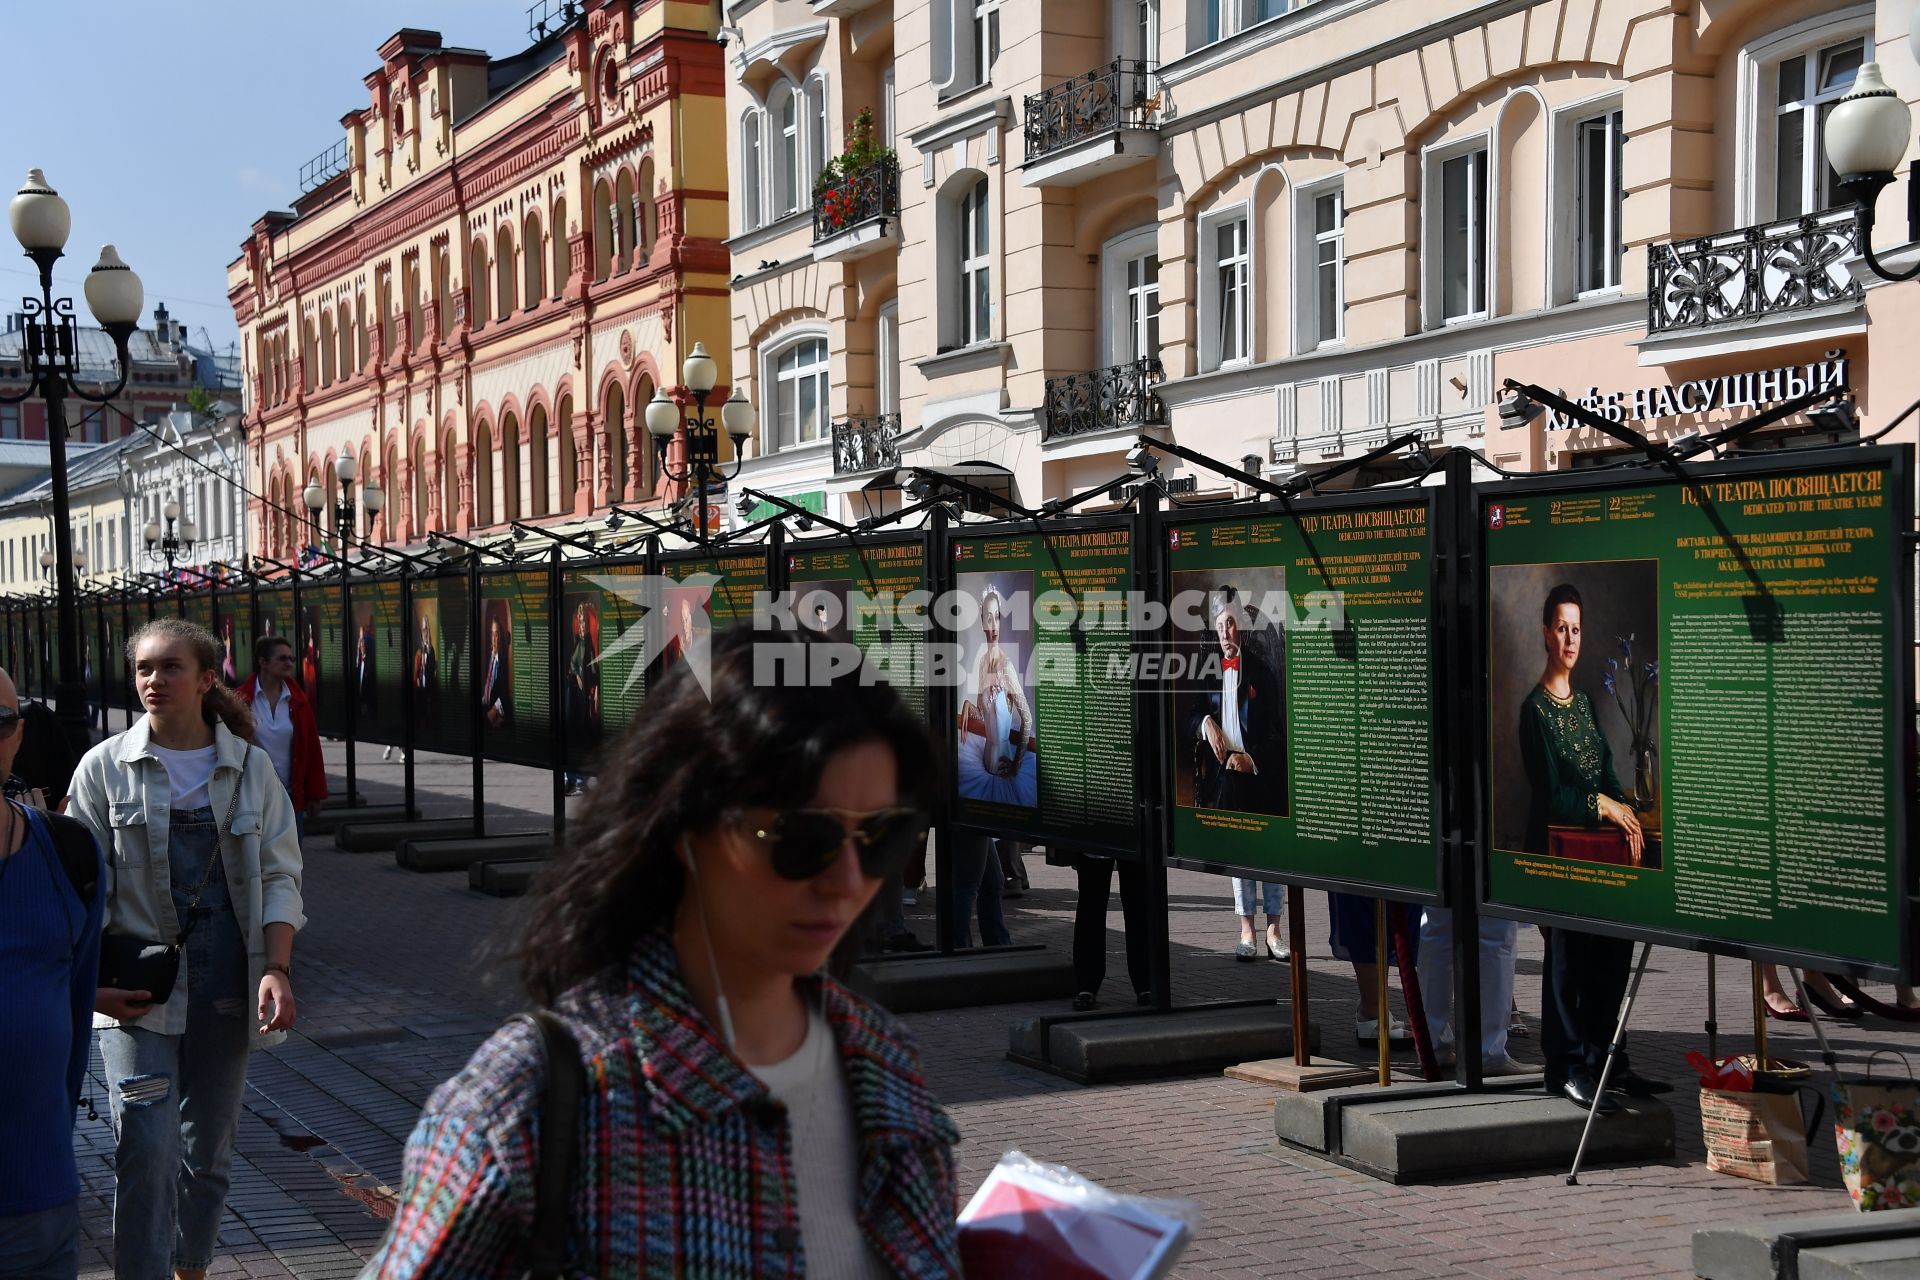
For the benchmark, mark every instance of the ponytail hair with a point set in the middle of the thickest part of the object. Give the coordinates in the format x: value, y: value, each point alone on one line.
x: 220, y: 705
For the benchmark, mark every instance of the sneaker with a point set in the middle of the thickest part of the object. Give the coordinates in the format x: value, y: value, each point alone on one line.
x: 1368, y: 1030
x: 386, y: 753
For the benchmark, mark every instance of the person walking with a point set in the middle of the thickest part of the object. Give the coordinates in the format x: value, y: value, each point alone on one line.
x: 284, y: 727
x: 51, y: 876
x: 203, y: 855
x: 1095, y: 876
x: 741, y: 1114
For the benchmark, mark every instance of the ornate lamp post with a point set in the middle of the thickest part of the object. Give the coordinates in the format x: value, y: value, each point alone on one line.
x: 346, y: 471
x: 1866, y: 138
x: 699, y: 373
x: 40, y: 221
x: 165, y: 546
x: 46, y: 566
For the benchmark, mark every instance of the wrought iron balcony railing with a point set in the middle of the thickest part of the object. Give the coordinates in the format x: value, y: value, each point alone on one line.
x: 1779, y: 268
x: 326, y: 165
x: 866, y: 444
x: 1105, y: 399
x: 868, y: 194
x: 1122, y: 94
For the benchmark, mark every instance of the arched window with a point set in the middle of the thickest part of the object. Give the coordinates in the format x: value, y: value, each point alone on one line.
x: 645, y: 214
x: 420, y: 487
x: 443, y: 290
x: 818, y: 139
x: 416, y: 310
x: 503, y: 273
x: 640, y: 445
x: 390, y: 491
x: 326, y: 348
x: 383, y: 316
x: 345, y: 331
x: 540, y: 501
x: 613, y: 439
x: 449, y: 480
x: 509, y: 467
x: 562, y: 251
x: 360, y: 347
x: 796, y: 372
x: 536, y: 260
x: 477, y: 277
x: 602, y: 231
x: 785, y: 109
x: 628, y: 236
x: 568, y: 460
x: 482, y: 475
x: 750, y: 167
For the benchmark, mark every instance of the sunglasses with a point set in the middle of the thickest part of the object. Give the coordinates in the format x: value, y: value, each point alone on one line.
x: 9, y: 721
x: 804, y: 842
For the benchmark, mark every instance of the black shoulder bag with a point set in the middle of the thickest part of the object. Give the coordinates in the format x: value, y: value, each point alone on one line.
x: 557, y: 1163
x: 135, y: 964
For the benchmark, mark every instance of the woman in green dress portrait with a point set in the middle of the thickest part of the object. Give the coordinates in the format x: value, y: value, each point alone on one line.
x: 1569, y: 765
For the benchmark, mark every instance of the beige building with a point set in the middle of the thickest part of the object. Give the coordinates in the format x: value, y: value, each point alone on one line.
x: 486, y: 277
x: 1288, y: 233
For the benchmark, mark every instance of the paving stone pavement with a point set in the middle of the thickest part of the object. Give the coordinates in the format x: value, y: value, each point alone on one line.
x: 401, y: 974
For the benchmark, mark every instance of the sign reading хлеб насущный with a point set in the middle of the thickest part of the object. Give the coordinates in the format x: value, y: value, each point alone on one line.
x: 1696, y: 703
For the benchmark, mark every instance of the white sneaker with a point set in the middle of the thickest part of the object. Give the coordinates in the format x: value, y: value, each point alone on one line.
x: 1369, y: 1030
x: 386, y: 753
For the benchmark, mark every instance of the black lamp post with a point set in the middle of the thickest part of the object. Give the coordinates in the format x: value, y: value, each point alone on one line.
x: 1866, y: 138
x: 702, y: 466
x: 346, y: 471
x: 40, y: 221
x: 166, y: 546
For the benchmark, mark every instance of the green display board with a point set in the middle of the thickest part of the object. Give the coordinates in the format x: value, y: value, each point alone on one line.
x: 860, y: 594
x: 233, y: 623
x: 1716, y: 673
x: 321, y: 643
x: 436, y: 660
x: 1045, y: 732
x: 602, y: 667
x: 719, y: 591
x: 113, y: 656
x: 198, y: 609
x: 516, y: 635
x: 1307, y: 753
x: 377, y: 646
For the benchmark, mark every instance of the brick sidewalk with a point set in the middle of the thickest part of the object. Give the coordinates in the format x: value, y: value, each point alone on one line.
x: 402, y: 974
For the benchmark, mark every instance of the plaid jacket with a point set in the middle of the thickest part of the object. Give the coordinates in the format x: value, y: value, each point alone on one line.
x: 686, y: 1167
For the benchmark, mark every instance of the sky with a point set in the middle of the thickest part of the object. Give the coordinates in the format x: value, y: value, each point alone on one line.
x: 169, y: 128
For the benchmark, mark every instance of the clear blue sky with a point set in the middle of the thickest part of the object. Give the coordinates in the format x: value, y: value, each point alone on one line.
x: 170, y: 127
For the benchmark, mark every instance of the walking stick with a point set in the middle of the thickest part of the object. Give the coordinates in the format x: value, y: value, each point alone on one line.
x: 1606, y: 1068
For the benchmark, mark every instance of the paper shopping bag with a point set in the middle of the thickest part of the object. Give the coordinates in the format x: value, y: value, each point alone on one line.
x: 1760, y: 1136
x: 1876, y: 1123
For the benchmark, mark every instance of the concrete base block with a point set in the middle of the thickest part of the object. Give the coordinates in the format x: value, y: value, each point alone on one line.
x: 1139, y: 1044
x: 355, y: 836
x: 330, y: 820
x: 458, y: 855
x: 1320, y: 1073
x: 919, y: 983
x: 1427, y: 1132
x: 1847, y: 1246
x: 504, y: 879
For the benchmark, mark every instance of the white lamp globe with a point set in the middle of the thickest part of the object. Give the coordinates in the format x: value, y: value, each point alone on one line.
x: 39, y: 217
x: 736, y: 415
x: 114, y: 293
x: 1867, y: 129
x: 663, y: 416
x: 699, y: 371
x: 314, y: 496
x: 346, y: 468
x: 373, y: 498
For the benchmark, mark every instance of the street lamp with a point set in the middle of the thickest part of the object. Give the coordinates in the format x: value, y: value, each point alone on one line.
x: 166, y: 546
x: 699, y: 373
x: 51, y: 355
x: 346, y: 471
x: 46, y: 566
x: 1865, y: 140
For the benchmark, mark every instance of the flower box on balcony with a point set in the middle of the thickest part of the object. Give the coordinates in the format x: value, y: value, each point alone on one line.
x: 856, y: 202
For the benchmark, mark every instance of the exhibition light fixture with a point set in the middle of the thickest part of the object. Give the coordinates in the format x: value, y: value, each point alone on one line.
x: 50, y: 358
x: 583, y: 542
x: 664, y: 419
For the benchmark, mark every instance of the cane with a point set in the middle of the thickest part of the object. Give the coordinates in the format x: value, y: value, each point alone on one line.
x: 1606, y: 1068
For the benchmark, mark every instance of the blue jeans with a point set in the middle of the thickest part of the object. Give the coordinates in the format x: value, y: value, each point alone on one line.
x: 43, y: 1245
x: 1274, y: 895
x: 977, y: 882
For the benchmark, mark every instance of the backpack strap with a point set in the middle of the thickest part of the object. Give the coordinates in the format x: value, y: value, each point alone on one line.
x: 79, y: 854
x: 557, y: 1163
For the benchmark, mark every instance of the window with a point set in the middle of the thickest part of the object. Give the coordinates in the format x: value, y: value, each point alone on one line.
x: 786, y: 152
x: 975, y: 294
x: 1229, y: 301
x: 817, y: 139
x: 1806, y: 87
x: 9, y: 422
x: 887, y: 355
x: 799, y: 394
x: 1143, y: 307
x: 1600, y: 141
x: 985, y: 34
x: 750, y: 171
x: 1225, y: 18
x: 886, y: 107
x: 1143, y: 30
x: 1463, y: 236
x: 1328, y: 298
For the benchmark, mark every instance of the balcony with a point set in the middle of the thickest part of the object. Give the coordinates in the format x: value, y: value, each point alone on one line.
x: 1106, y: 119
x: 866, y: 444
x: 859, y: 214
x: 1105, y: 400
x: 1786, y: 275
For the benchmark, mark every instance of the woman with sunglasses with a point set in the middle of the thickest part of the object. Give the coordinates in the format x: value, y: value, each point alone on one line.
x: 742, y: 1114
x: 202, y: 856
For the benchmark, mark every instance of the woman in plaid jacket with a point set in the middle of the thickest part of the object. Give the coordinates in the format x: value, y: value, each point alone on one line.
x: 744, y: 1115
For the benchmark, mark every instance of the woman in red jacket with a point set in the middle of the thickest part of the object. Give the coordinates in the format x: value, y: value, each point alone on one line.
x: 283, y: 726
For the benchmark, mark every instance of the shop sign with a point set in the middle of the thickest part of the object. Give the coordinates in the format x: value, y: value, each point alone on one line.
x: 1757, y: 390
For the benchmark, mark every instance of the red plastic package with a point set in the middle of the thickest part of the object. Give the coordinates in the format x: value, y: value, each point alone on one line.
x: 1047, y: 1222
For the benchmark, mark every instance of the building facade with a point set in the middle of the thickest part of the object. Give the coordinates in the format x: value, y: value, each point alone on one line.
x: 483, y: 283
x: 99, y: 484
x: 1283, y: 234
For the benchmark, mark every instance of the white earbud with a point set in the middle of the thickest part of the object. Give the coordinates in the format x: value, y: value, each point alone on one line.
x: 713, y: 959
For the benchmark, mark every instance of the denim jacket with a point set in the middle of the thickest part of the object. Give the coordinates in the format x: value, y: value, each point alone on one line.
x: 120, y: 791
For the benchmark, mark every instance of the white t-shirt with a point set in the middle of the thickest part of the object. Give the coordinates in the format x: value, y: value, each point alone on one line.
x: 188, y: 773
x: 826, y: 1155
x: 273, y: 732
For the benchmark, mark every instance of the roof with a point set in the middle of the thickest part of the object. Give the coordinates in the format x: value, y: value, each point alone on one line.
x: 504, y: 75
x: 86, y: 464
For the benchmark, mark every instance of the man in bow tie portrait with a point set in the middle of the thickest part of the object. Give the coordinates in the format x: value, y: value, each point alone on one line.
x: 1240, y: 752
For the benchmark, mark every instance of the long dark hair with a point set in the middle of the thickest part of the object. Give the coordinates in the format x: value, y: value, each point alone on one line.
x: 763, y: 738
